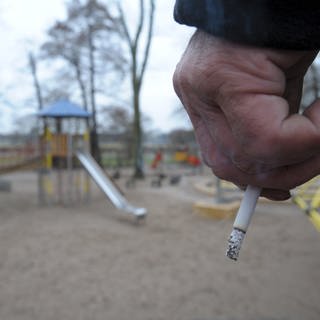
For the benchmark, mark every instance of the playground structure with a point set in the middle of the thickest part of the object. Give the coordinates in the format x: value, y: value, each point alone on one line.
x: 59, y: 154
x: 187, y: 158
x: 223, y: 205
x: 64, y: 131
x: 65, y: 144
x: 179, y: 159
x: 106, y: 185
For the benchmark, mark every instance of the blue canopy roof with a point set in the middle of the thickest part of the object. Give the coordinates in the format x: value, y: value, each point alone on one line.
x: 64, y: 109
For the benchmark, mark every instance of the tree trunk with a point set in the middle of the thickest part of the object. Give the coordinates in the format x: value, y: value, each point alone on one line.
x: 33, y: 67
x: 137, y: 73
x: 95, y: 149
x: 36, y: 83
x: 82, y: 88
x: 138, y: 152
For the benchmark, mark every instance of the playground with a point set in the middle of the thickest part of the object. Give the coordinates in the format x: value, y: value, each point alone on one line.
x: 77, y: 244
x: 107, y: 211
x: 92, y: 261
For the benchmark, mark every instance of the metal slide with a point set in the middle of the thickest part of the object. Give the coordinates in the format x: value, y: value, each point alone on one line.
x: 107, y: 186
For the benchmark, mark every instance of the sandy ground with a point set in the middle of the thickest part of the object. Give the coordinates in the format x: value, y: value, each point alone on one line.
x: 90, y: 262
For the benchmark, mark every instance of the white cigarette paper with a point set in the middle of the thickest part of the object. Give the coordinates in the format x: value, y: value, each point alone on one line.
x: 247, y: 206
x: 242, y: 221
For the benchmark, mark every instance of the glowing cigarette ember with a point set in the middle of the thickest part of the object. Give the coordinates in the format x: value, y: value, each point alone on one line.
x: 242, y: 221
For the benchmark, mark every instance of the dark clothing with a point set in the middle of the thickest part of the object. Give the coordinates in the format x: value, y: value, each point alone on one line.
x: 268, y: 23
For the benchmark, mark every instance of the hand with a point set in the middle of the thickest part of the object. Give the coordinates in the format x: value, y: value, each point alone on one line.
x: 243, y: 103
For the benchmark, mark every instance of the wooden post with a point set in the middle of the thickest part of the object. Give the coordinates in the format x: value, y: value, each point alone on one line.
x: 59, y: 160
x: 69, y: 164
x: 47, y: 183
x: 86, y: 187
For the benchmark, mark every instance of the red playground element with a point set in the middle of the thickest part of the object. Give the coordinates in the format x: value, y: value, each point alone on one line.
x: 157, y: 159
x: 193, y: 160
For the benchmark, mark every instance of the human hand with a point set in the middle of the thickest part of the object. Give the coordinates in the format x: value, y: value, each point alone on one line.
x: 243, y: 103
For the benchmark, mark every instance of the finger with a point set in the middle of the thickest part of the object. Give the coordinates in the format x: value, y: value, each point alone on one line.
x: 272, y: 194
x: 289, y: 177
x: 276, y: 194
x: 275, y: 183
x: 293, y: 94
x: 221, y: 133
x: 263, y: 125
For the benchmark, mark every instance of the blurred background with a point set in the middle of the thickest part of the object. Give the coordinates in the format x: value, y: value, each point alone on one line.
x: 90, y: 130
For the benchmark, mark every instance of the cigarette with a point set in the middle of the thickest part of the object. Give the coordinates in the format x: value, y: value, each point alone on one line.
x: 242, y: 221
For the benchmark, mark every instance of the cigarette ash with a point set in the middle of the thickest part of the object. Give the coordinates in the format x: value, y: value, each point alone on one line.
x: 234, y: 243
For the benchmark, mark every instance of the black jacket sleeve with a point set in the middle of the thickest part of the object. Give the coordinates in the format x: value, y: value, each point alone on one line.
x: 268, y: 23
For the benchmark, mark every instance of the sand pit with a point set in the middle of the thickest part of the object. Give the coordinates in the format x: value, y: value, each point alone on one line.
x: 90, y: 262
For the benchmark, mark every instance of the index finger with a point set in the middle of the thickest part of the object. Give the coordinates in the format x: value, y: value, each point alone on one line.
x: 263, y: 125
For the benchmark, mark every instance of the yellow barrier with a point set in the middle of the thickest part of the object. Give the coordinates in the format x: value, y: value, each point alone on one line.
x: 314, y: 217
x: 307, y: 198
x: 180, y: 156
x: 48, y: 156
x: 315, y: 202
x: 86, y: 136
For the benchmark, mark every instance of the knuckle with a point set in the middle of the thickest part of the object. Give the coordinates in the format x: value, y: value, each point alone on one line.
x: 177, y: 79
x: 243, y: 160
x: 261, y: 145
x: 294, y: 182
x: 223, y: 170
x: 223, y: 174
x: 219, y: 164
x: 181, y: 80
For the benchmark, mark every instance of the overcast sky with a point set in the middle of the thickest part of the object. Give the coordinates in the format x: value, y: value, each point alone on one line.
x: 23, y: 27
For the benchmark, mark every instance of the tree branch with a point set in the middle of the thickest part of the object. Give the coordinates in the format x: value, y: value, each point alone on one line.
x: 149, y: 37
x: 33, y: 67
x: 125, y: 26
x: 140, y: 25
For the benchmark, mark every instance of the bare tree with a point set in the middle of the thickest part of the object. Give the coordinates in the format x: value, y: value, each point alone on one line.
x: 33, y: 69
x: 117, y: 120
x: 26, y: 125
x: 137, y: 69
x: 85, y: 40
x: 63, y: 42
x: 182, y: 137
